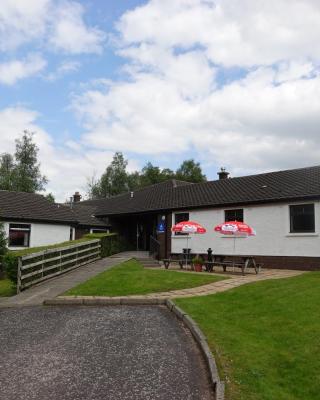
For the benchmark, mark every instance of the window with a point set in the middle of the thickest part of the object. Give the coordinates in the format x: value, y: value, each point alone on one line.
x: 233, y: 215
x: 19, y: 235
x: 99, y: 231
x: 180, y: 217
x: 302, y: 218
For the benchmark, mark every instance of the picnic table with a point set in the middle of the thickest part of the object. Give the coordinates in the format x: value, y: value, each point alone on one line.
x: 242, y: 262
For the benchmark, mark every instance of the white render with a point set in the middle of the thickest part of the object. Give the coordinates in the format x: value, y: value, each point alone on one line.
x: 43, y: 234
x: 271, y: 223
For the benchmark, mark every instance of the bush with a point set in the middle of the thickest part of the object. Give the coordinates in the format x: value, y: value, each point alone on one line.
x: 111, y: 243
x: 10, y: 264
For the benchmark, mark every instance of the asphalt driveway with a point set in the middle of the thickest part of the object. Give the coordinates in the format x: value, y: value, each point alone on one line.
x: 95, y: 353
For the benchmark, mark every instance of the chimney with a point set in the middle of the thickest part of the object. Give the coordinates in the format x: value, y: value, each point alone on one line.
x: 76, y: 197
x: 223, y: 174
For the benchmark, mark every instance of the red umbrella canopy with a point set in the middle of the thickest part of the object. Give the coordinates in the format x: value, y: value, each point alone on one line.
x: 235, y: 228
x: 188, y: 227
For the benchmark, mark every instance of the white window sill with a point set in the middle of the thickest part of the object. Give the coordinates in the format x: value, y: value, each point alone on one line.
x: 302, y: 235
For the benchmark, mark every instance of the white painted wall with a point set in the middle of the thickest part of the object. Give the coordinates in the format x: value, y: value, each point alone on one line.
x: 272, y: 224
x: 43, y: 234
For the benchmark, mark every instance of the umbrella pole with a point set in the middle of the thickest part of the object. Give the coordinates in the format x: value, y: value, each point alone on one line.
x: 187, y: 251
x: 234, y: 251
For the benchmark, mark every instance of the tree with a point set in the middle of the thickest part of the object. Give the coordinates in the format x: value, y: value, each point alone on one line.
x: 28, y: 177
x: 134, y: 180
x: 190, y: 171
x: 114, y: 180
x: 151, y: 175
x: 50, y: 197
x: 7, y: 172
x: 3, y: 241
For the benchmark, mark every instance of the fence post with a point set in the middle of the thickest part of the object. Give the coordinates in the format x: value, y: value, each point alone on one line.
x: 60, y: 261
x: 19, y: 274
x: 42, y: 265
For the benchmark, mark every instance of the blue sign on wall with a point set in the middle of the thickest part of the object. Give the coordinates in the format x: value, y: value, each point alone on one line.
x: 161, y: 227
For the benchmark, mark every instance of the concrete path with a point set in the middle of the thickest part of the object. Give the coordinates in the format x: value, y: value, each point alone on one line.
x: 211, y: 288
x: 53, y: 287
x: 98, y: 353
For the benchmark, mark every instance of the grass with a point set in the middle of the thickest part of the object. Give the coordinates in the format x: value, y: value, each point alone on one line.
x: 130, y: 278
x: 7, y: 288
x: 265, y: 336
x: 31, y: 250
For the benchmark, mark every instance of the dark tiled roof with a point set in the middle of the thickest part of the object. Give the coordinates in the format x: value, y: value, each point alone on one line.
x: 32, y: 207
x: 84, y: 214
x: 286, y: 185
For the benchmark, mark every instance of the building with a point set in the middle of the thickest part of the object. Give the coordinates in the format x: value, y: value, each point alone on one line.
x: 30, y: 220
x: 283, y: 207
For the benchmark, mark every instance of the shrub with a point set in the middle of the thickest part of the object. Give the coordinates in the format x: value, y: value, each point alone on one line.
x: 111, y: 243
x: 10, y: 264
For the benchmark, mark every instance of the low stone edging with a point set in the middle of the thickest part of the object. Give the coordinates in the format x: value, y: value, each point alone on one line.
x: 218, y: 385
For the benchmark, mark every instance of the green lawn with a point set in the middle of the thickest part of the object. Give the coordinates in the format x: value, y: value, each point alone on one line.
x: 130, y: 278
x: 7, y: 288
x: 265, y: 336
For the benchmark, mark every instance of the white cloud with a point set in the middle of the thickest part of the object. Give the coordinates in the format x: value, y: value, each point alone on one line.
x: 175, y: 101
x: 22, y: 22
x: 231, y: 33
x: 66, y: 167
x: 70, y: 33
x: 12, y: 71
x: 64, y: 68
x: 57, y: 25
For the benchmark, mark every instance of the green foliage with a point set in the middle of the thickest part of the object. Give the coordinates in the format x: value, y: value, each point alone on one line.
x: 28, y: 176
x: 130, y: 278
x: 10, y: 264
x: 117, y: 180
x: 7, y: 288
x: 190, y: 171
x: 22, y: 172
x: 151, y: 175
x: 198, y: 260
x: 265, y: 337
x: 50, y: 197
x: 3, y: 241
x: 111, y: 243
x: 10, y: 259
x: 7, y: 172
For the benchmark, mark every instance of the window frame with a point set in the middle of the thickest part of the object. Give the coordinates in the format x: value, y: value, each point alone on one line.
x: 19, y: 228
x: 233, y: 210
x: 301, y: 232
x: 176, y: 222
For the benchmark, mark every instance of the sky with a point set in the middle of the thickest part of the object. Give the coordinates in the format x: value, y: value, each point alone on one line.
x: 230, y: 83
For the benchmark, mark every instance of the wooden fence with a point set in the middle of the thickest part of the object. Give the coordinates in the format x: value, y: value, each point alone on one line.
x: 37, y: 267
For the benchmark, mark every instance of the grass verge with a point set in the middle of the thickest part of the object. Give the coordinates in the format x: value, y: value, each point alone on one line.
x: 130, y: 278
x: 265, y: 337
x: 7, y: 288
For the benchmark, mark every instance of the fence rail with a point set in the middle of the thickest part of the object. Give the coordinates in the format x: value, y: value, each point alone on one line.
x: 37, y: 267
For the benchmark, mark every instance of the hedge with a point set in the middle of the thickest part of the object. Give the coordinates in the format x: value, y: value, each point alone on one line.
x: 111, y: 243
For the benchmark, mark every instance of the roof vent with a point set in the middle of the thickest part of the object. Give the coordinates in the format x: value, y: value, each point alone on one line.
x: 223, y: 174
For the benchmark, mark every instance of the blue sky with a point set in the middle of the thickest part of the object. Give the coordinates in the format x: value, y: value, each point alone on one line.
x: 161, y: 81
